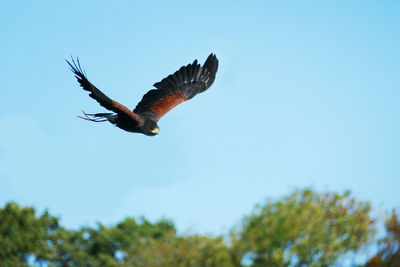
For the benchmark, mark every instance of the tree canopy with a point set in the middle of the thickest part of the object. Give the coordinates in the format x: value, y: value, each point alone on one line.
x: 305, y: 228
x: 23, y: 235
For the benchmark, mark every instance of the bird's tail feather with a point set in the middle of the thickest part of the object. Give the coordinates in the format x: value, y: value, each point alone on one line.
x: 99, y: 117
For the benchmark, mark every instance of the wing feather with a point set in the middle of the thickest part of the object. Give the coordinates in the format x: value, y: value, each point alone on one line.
x: 96, y: 94
x: 176, y: 88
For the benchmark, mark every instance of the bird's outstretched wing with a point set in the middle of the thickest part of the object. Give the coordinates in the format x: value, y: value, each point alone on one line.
x: 184, y: 84
x: 96, y: 94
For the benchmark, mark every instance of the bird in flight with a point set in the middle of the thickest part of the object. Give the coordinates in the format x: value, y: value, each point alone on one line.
x: 181, y: 86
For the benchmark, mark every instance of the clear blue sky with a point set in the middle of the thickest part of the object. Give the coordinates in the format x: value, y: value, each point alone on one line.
x: 307, y: 94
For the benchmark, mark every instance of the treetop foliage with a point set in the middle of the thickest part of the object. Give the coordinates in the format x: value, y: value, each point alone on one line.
x: 305, y: 228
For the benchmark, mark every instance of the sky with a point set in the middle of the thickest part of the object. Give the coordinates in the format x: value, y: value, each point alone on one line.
x: 307, y: 95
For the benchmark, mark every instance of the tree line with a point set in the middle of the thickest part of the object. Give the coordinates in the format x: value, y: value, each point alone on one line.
x: 304, y: 228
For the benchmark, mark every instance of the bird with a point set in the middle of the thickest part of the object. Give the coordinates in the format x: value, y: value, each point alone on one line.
x: 176, y: 88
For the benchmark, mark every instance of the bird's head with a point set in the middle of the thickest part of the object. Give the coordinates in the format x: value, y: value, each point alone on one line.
x: 150, y: 127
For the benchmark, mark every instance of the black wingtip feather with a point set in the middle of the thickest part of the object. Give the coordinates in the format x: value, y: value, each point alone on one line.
x: 191, y: 79
x: 79, y: 72
x: 76, y: 67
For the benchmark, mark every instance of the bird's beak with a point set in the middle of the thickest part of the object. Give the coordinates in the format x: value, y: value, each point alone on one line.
x: 154, y: 131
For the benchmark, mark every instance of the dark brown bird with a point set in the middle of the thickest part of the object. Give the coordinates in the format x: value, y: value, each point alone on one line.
x: 184, y: 84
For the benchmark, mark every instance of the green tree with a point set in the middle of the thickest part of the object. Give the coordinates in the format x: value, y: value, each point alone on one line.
x: 104, y: 246
x: 184, y: 251
x: 303, y: 229
x: 389, y: 247
x: 85, y: 247
x: 24, y: 236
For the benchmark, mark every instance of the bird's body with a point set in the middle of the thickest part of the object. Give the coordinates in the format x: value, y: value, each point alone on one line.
x: 181, y: 86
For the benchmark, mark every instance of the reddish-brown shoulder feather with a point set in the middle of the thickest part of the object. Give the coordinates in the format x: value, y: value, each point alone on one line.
x: 165, y: 104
